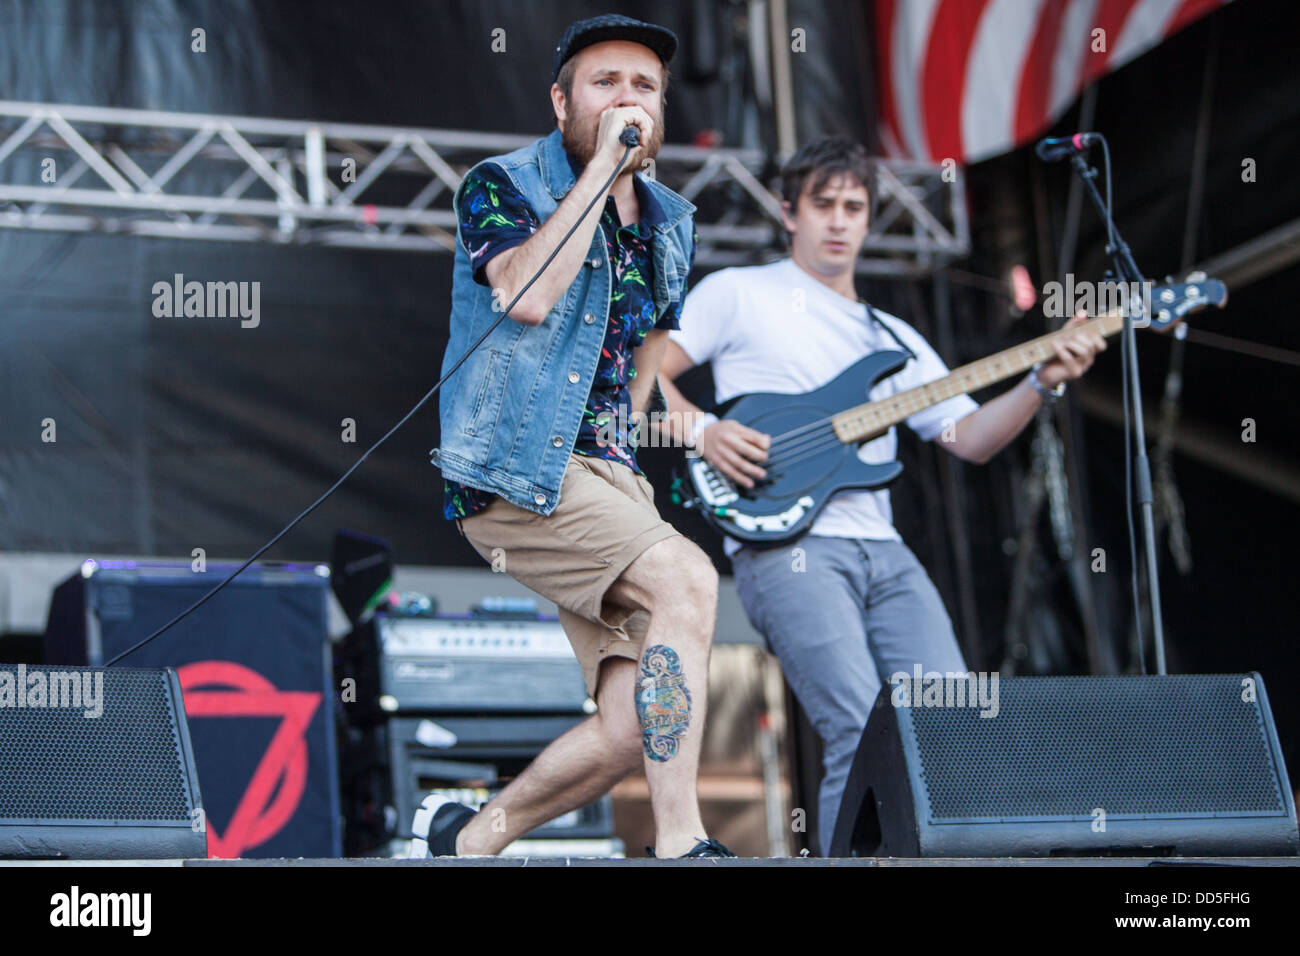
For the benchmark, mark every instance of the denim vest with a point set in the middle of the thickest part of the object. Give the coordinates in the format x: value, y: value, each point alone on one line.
x: 510, y: 415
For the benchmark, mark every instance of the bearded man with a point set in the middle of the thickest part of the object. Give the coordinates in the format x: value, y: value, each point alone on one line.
x: 539, y: 461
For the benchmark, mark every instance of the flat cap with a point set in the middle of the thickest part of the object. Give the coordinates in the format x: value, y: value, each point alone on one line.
x: 613, y: 26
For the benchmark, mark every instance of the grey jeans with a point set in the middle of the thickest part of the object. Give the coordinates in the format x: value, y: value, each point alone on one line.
x: 842, y: 615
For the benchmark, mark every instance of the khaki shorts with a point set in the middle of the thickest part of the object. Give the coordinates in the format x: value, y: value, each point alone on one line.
x: 605, y: 519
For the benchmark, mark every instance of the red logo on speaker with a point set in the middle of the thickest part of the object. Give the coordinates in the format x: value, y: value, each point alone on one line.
x: 226, y: 689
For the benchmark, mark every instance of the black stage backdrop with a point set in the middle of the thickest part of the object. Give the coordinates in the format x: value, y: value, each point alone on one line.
x: 174, y: 434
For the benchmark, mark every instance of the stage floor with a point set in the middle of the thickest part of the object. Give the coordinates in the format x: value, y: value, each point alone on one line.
x: 1110, y: 861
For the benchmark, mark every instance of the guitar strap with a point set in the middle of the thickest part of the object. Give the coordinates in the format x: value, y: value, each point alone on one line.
x: 876, y: 319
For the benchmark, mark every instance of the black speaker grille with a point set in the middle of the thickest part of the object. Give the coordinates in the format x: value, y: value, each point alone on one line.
x: 58, y: 764
x: 1062, y: 746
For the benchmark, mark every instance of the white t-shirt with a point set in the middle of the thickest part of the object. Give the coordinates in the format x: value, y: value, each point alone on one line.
x: 775, y: 328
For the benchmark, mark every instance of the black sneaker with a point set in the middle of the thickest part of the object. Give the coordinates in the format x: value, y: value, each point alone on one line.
x: 704, y: 848
x: 437, y: 822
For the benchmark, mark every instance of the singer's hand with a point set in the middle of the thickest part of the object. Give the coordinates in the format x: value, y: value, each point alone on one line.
x: 612, y: 123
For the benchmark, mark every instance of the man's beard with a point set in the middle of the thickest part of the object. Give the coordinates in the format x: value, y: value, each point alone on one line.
x: 579, y: 139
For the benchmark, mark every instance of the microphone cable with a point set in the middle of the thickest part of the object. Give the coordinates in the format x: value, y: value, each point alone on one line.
x: 630, y: 137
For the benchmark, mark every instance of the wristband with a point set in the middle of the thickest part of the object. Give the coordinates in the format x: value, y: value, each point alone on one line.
x: 1050, y: 395
x: 701, y: 422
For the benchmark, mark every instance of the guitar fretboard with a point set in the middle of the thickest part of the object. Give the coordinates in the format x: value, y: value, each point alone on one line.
x: 875, y: 418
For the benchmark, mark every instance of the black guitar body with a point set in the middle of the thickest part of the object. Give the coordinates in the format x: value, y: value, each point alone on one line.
x: 807, y: 462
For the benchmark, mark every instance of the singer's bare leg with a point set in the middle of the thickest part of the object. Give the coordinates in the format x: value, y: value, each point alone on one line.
x: 658, y: 726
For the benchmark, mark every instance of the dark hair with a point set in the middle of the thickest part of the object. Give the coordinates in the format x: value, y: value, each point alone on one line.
x: 824, y: 159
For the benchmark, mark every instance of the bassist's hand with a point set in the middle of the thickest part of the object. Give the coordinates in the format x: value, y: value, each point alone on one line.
x: 733, y: 449
x: 1074, y: 355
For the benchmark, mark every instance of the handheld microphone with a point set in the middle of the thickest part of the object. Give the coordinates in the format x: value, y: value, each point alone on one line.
x: 631, y: 136
x: 1053, y: 148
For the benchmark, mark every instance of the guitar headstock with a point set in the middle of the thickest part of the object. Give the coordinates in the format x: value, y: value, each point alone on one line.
x: 1173, y: 301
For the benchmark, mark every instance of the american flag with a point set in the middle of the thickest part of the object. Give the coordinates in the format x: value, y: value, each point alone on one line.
x: 968, y: 79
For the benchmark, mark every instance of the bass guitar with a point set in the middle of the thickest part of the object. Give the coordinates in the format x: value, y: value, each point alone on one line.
x: 816, y: 435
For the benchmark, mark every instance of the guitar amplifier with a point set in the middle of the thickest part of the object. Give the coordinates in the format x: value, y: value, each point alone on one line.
x: 462, y: 664
x: 390, y: 767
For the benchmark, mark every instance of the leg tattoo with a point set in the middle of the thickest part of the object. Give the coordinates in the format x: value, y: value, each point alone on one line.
x: 663, y: 702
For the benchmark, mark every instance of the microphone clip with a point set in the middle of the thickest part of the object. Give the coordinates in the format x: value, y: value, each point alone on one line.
x: 1055, y: 148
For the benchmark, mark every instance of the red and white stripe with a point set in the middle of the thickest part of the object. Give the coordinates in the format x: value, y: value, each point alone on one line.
x: 968, y: 79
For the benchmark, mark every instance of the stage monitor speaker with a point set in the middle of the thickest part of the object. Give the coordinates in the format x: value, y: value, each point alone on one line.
x: 96, y: 765
x: 255, y: 666
x: 1184, y: 765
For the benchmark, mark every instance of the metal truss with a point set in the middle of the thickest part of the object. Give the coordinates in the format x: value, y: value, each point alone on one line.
x: 235, y: 178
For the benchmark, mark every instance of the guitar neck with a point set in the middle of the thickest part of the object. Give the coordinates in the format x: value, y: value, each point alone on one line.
x: 875, y: 418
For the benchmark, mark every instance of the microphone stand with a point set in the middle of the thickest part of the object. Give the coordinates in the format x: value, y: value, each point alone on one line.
x: 1128, y: 271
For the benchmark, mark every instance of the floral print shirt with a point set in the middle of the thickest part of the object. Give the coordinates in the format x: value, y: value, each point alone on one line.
x: 495, y: 217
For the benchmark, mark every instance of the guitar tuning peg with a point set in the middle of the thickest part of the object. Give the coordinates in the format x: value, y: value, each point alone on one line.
x: 1197, y: 276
